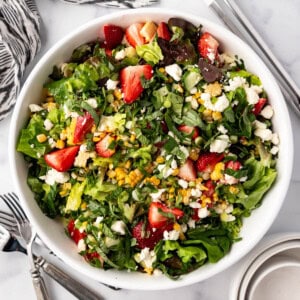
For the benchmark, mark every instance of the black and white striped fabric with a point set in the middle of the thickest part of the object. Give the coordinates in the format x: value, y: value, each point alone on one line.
x: 19, y: 42
x: 115, y: 3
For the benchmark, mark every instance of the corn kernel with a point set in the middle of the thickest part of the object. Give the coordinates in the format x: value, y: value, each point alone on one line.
x: 175, y: 172
x: 171, y: 189
x: 182, y: 236
x: 233, y: 189
x: 127, y: 164
x: 207, y: 113
x: 200, y: 101
x: 194, y: 154
x: 216, y: 115
x: 96, y: 139
x: 49, y: 106
x: 149, y: 271
x: 121, y: 182
x: 162, y: 70
x: 111, y: 173
x: 217, y: 174
x: 197, y: 95
x: 118, y: 94
x: 60, y: 144
x: 132, y: 138
x: 66, y: 187
x: 177, y: 227
x: 83, y: 206
x: 154, y: 180
x: 93, y: 129
x: 160, y: 160
x: 41, y: 138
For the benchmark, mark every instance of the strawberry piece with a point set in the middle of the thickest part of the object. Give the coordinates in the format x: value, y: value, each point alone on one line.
x: 131, y: 81
x: 207, y: 161
x: 75, y: 233
x: 113, y: 35
x: 189, y: 129
x: 83, y: 126
x: 259, y: 106
x: 102, y: 147
x: 93, y: 257
x: 163, y: 31
x: 133, y: 34
x: 210, y: 188
x: 62, y: 160
x: 108, y: 51
x: 234, y: 165
x: 156, y: 219
x: 146, y: 236
x: 195, y: 215
x: 208, y: 46
x: 187, y: 171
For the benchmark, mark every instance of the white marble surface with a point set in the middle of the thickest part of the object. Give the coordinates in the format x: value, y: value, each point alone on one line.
x: 278, y: 23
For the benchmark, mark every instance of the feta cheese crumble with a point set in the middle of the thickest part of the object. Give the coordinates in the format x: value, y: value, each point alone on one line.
x: 119, y: 227
x: 174, y: 71
x: 220, y: 144
x: 53, y: 176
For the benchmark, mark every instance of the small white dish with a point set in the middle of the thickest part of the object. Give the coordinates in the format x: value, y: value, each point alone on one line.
x: 278, y: 278
x: 271, y: 271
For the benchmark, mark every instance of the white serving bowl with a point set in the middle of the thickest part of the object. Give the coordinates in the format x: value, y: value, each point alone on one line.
x: 52, y: 233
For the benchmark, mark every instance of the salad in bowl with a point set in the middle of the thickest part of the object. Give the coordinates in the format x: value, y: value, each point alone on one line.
x: 151, y: 145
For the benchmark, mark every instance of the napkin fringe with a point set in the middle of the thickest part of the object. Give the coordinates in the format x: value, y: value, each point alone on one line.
x: 19, y: 43
x: 115, y: 3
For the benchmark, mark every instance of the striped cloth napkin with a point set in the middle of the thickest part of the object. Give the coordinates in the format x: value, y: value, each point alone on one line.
x: 20, y: 41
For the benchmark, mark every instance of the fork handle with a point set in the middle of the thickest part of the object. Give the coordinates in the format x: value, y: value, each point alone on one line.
x: 39, y: 285
x: 72, y: 285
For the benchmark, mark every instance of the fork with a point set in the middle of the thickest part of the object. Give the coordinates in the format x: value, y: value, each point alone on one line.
x: 72, y: 285
x: 28, y: 234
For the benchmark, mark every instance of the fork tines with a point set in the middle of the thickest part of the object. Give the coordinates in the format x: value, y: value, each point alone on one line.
x: 12, y: 201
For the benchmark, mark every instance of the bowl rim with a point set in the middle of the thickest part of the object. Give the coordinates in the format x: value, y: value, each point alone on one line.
x: 164, y: 284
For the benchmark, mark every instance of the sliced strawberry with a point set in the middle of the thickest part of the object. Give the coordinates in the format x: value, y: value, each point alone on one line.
x: 195, y: 215
x: 133, y: 34
x: 187, y: 171
x: 108, y: 51
x: 163, y: 31
x: 207, y: 161
x: 102, y: 147
x: 208, y: 46
x: 234, y: 165
x: 131, y: 81
x: 83, y: 126
x: 259, y: 106
x: 210, y: 188
x: 189, y: 129
x: 62, y: 160
x: 75, y: 233
x: 157, y: 219
x: 148, y: 237
x: 113, y: 35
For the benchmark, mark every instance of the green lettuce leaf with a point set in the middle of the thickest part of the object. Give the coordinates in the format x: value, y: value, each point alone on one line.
x: 28, y: 144
x: 75, y: 196
x: 151, y: 53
